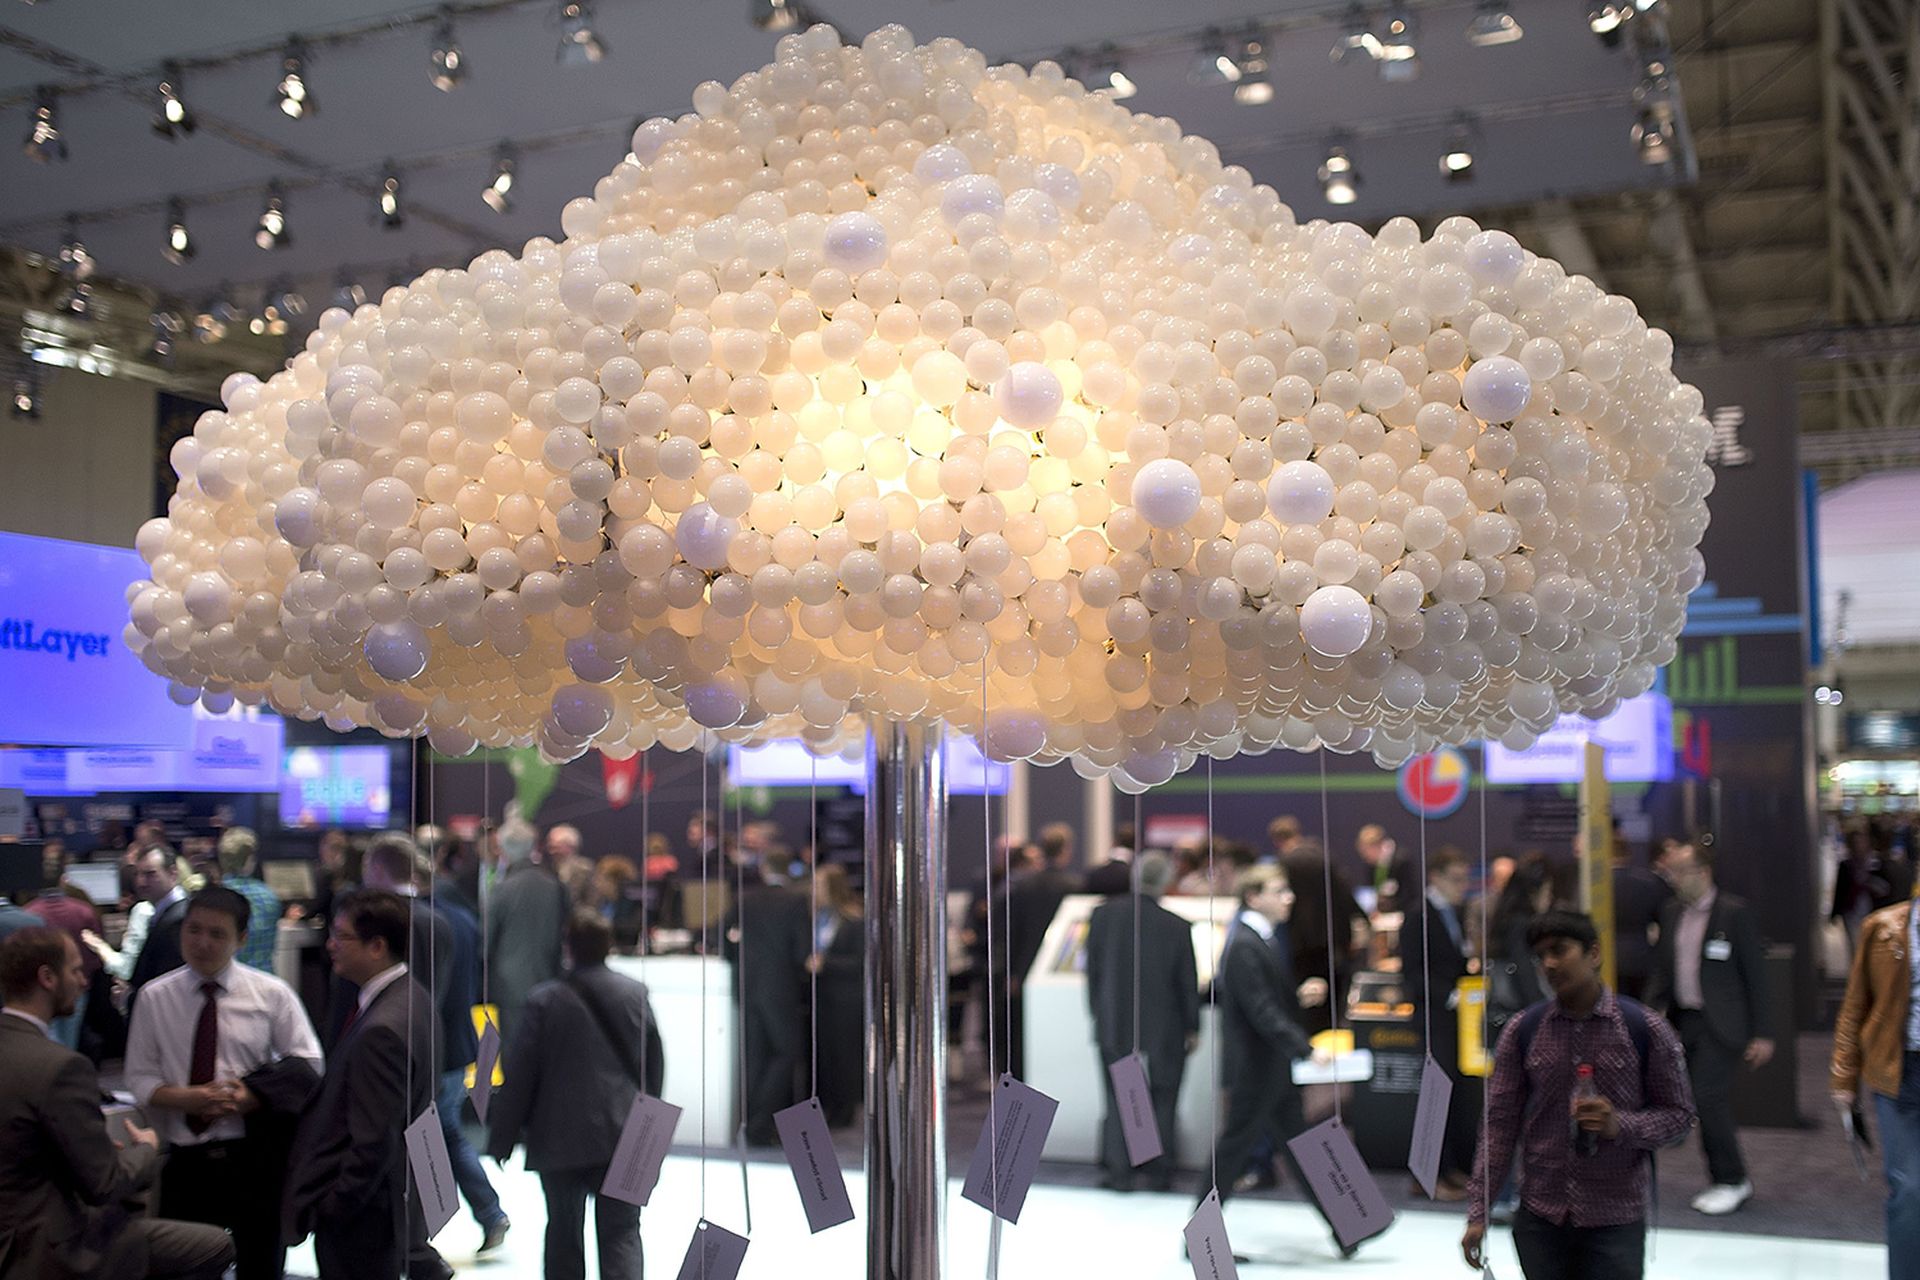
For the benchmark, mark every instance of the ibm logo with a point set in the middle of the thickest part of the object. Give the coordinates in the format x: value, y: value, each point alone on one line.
x: 1725, y: 449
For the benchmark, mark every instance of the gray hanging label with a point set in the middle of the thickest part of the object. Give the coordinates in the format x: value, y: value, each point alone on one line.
x: 1207, y: 1248
x: 1340, y: 1181
x: 483, y: 1063
x: 1025, y: 1115
x: 714, y: 1253
x: 644, y: 1140
x: 432, y: 1170
x: 816, y: 1166
x: 1430, y: 1125
x: 1134, y: 1100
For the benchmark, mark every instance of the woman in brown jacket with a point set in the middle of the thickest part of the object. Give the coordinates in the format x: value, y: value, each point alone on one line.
x: 1877, y: 1042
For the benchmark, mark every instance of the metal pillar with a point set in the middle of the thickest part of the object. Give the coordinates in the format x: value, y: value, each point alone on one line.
x: 906, y: 1002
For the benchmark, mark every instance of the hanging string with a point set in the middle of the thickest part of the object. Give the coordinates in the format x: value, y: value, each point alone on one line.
x: 413, y: 828
x: 1133, y: 875
x: 1213, y: 1000
x: 646, y: 841
x: 1487, y: 1189
x: 739, y: 971
x: 1333, y: 963
x: 1426, y: 934
x: 813, y: 917
x: 706, y: 834
x: 993, y: 1081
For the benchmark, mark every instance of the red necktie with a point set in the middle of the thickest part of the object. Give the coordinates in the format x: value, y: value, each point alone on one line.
x: 206, y: 1044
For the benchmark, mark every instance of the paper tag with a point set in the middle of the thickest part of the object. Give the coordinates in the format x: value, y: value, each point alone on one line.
x: 644, y: 1140
x: 13, y: 811
x: 815, y: 1165
x: 1134, y: 1100
x: 1025, y: 1115
x: 481, y: 1090
x: 1339, y: 1180
x: 432, y: 1170
x: 714, y: 1253
x: 1207, y: 1248
x: 1719, y: 949
x: 1430, y: 1125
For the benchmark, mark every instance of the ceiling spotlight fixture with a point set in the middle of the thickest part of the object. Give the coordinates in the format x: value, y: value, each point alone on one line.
x: 210, y: 322
x: 1211, y: 65
x: 1493, y: 23
x: 1253, y: 87
x: 1399, y: 54
x: 1653, y: 137
x: 1358, y: 40
x: 1339, y: 180
x: 24, y: 403
x: 1110, y: 77
x: 580, y: 46
x: 74, y: 260
x: 291, y: 95
x: 76, y: 301
x: 282, y: 305
x: 498, y: 193
x: 348, y: 295
x: 272, y: 231
x: 392, y: 217
x: 1456, y: 160
x: 775, y: 15
x: 1607, y: 19
x: 172, y: 119
x: 179, y: 247
x: 165, y: 326
x: 1655, y: 89
x: 44, y: 141
x: 446, y: 65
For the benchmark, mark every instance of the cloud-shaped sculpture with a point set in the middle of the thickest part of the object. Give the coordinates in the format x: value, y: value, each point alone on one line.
x: 887, y: 383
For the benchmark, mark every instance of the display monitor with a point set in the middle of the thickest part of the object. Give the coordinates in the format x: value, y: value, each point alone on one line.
x: 290, y: 878
x: 100, y: 881
x: 1637, y: 738
x: 336, y: 787
x: 786, y: 763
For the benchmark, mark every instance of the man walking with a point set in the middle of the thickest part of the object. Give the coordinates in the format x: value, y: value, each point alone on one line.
x: 1433, y: 959
x: 769, y: 939
x: 65, y: 1183
x: 1167, y: 1001
x: 1585, y: 1088
x: 583, y: 1048
x: 1876, y: 1044
x: 526, y: 916
x: 239, y: 854
x: 1709, y: 978
x: 224, y: 1058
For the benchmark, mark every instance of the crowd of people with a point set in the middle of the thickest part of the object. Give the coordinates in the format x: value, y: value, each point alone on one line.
x: 281, y: 1120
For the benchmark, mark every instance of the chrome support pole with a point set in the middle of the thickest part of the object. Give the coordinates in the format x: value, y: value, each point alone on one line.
x: 906, y: 1002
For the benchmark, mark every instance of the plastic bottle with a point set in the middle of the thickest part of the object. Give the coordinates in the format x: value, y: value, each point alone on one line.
x: 1586, y: 1142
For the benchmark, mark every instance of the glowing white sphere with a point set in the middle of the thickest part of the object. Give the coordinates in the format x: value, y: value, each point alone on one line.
x: 1166, y: 493
x: 1300, y: 492
x: 856, y: 242
x: 1029, y: 396
x: 1496, y: 390
x: 398, y: 650
x: 1335, y: 621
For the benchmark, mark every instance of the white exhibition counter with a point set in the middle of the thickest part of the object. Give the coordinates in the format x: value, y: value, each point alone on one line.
x: 676, y: 985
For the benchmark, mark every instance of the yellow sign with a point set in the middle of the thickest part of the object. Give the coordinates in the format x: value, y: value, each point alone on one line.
x: 1596, y: 854
x: 482, y: 1014
x: 1472, y: 1011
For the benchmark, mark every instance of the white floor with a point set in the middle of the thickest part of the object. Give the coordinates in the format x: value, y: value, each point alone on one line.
x: 1076, y: 1231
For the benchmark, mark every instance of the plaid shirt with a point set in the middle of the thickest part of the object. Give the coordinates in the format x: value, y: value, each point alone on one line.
x: 1530, y: 1104
x: 263, y: 922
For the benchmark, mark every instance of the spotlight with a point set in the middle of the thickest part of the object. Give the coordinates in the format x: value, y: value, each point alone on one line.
x: 347, y: 293
x: 1339, y: 180
x: 1607, y: 19
x: 579, y: 45
x: 446, y: 65
x: 1358, y: 41
x: 179, y: 247
x: 1253, y: 88
x: 165, y: 326
x: 76, y: 300
x: 75, y: 262
x: 44, y: 141
x: 282, y: 305
x: 1456, y: 161
x: 272, y: 231
x: 775, y: 15
x: 292, y: 96
x: 25, y: 402
x: 172, y: 119
x: 1399, y: 52
x: 498, y: 193
x: 392, y: 217
x: 1211, y: 65
x: 1110, y: 76
x: 1653, y: 137
x: 1493, y: 23
x: 210, y: 322
x: 1655, y: 89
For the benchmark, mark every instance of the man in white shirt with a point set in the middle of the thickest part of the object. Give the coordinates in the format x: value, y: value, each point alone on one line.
x: 215, y: 1050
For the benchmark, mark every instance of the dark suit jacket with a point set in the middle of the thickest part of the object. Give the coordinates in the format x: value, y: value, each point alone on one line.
x: 1639, y: 899
x: 1260, y: 1032
x: 775, y: 943
x: 1734, y: 990
x: 568, y: 1091
x: 459, y: 982
x: 1444, y: 965
x: 1034, y: 900
x: 526, y: 920
x: 63, y: 1186
x: 350, y: 1153
x: 160, y: 953
x: 1169, y: 984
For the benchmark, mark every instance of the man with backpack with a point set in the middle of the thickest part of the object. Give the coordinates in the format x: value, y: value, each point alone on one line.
x: 1585, y: 1087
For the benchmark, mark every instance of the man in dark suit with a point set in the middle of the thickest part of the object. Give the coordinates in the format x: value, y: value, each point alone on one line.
x: 1433, y: 959
x: 1168, y: 1001
x: 348, y: 1180
x: 526, y: 917
x: 156, y: 879
x: 1639, y: 899
x: 1709, y: 978
x: 1032, y: 903
x: 768, y: 939
x: 583, y: 1049
x: 68, y: 1198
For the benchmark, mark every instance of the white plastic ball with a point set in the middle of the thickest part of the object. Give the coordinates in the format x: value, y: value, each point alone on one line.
x: 1166, y: 493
